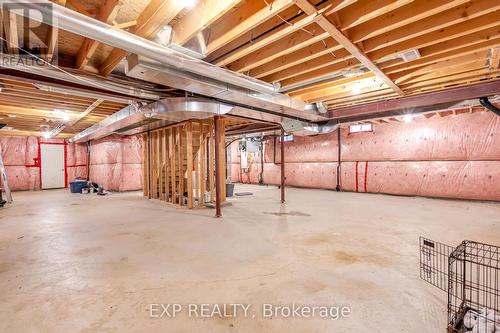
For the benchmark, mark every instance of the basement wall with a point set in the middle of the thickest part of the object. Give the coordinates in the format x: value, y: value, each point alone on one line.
x: 19, y: 156
x: 456, y: 156
x: 115, y: 162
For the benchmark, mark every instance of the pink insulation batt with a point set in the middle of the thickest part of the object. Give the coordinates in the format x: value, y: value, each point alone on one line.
x: 115, y: 164
x: 454, y: 157
x: 18, y: 155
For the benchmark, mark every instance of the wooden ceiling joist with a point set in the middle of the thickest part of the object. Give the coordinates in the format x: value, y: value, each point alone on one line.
x: 259, y: 44
x: 89, y: 46
x: 229, y: 33
x: 296, y: 42
x: 201, y: 16
x: 455, y: 15
x: 481, y: 28
x: 156, y: 15
x: 494, y: 58
x: 366, y: 10
x: 412, y: 12
x: 329, y: 27
x: 9, y: 21
x: 318, y: 49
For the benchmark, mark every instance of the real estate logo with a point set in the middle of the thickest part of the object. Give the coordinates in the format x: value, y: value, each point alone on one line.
x: 28, y: 33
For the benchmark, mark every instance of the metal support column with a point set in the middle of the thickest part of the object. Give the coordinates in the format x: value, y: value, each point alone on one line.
x: 282, y: 147
x: 218, y: 197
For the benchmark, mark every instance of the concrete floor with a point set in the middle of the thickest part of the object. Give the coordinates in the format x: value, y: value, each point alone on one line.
x: 75, y: 263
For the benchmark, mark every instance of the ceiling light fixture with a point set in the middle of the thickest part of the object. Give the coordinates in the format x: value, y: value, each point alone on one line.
x: 188, y: 3
x: 408, y: 118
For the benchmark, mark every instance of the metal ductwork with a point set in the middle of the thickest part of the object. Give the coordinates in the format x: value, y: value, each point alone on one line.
x: 82, y: 25
x: 279, y: 104
x: 85, y: 79
x: 132, y: 119
x: 191, y: 74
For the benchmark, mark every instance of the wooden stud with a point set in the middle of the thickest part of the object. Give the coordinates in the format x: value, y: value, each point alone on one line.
x: 171, y: 149
x: 211, y: 165
x: 203, y: 167
x: 189, y: 157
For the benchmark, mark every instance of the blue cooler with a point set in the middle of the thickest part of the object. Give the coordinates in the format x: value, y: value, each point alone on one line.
x: 77, y: 185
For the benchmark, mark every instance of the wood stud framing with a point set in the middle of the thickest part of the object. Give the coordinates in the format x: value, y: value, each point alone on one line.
x: 175, y: 163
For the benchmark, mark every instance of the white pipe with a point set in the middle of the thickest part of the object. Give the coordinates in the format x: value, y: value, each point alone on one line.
x: 69, y: 20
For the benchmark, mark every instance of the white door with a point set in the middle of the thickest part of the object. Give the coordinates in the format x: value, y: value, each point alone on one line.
x: 52, y: 157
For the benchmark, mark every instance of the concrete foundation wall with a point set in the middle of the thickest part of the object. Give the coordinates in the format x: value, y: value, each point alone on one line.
x: 454, y: 157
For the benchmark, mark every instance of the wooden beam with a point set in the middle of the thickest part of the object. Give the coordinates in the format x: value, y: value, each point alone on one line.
x: 412, y: 12
x: 89, y: 46
x: 309, y: 52
x: 156, y: 15
x: 439, y: 55
x: 180, y: 142
x: 365, y: 10
x: 328, y: 59
x: 10, y: 30
x: 232, y: 32
x: 432, y: 68
x: 347, y: 44
x: 166, y: 161
x: 201, y: 16
x: 52, y: 34
x: 171, y: 150
x: 494, y: 59
x: 189, y: 167
x: 455, y: 15
x: 444, y: 96
x: 79, y: 7
x: 327, y: 89
x: 203, y: 166
x: 472, y: 31
x: 295, y: 42
x: 211, y: 159
x: 259, y: 44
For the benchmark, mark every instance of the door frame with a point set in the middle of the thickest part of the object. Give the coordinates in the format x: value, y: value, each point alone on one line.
x: 40, y: 143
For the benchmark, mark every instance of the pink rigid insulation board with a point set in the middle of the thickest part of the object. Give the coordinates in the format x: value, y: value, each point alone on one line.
x: 454, y: 157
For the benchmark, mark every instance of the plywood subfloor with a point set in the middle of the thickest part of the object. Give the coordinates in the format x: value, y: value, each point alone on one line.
x: 73, y: 263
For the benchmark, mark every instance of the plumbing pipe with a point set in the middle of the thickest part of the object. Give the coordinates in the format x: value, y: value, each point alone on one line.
x: 487, y: 104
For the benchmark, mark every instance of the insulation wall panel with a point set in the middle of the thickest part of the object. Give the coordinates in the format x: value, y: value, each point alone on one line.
x: 453, y: 157
x: 19, y: 155
x: 115, y: 162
